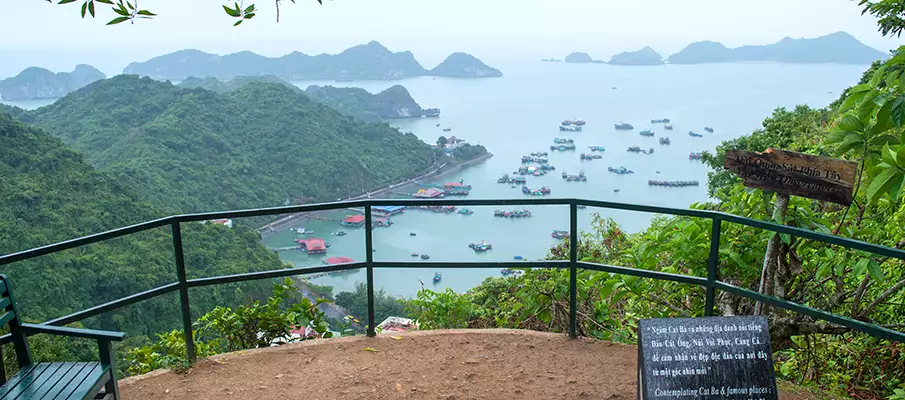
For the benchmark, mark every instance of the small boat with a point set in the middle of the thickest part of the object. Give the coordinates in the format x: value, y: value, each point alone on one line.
x: 560, y: 234
x: 517, y: 258
x: 708, y: 129
x: 616, y: 190
x: 578, y: 122
x: 614, y: 88
x: 465, y: 211
x: 480, y: 247
x: 340, y: 233
x: 425, y: 257
x: 672, y: 183
x: 447, y: 129
x: 668, y: 127
x: 570, y: 128
x: 664, y: 140
x: 647, y: 132
x: 438, y: 124
x: 695, y: 156
x: 660, y: 121
x: 303, y: 231
x: 693, y: 134
x: 621, y: 170
x: 415, y: 254
x: 623, y: 126
x: 597, y: 148
x: 437, y: 277
x: 411, y: 233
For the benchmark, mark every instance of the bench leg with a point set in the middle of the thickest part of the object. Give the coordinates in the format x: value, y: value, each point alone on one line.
x: 105, y: 348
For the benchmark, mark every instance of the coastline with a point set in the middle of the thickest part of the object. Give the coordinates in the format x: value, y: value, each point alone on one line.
x: 442, y: 170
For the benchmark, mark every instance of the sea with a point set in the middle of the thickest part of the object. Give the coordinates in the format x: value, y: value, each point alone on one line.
x: 520, y: 113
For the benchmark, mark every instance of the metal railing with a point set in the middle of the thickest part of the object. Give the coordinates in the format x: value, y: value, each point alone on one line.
x: 711, y: 283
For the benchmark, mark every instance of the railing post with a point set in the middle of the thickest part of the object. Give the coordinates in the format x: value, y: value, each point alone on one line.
x: 369, y: 268
x: 183, y: 293
x: 712, y: 263
x: 573, y: 269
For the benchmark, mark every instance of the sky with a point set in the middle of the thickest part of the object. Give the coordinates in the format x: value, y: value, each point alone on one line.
x: 56, y: 37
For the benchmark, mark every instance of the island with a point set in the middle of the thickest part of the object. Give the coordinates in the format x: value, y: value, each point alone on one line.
x: 38, y: 83
x: 463, y: 65
x: 216, y: 85
x: 392, y: 103
x: 645, y: 56
x: 579, y: 58
x: 839, y: 47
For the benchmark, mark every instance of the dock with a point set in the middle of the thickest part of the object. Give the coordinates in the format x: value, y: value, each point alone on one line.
x: 290, y: 248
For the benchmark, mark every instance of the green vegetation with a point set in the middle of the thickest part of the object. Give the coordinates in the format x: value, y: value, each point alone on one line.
x: 127, y: 12
x: 39, y: 83
x: 356, y: 303
x: 867, y: 125
x: 392, y: 103
x: 216, y: 85
x: 264, y: 144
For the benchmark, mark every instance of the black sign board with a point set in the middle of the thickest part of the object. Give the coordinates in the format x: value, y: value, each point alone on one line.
x: 705, y: 358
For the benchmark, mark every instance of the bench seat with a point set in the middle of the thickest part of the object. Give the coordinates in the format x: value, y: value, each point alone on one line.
x: 62, y: 380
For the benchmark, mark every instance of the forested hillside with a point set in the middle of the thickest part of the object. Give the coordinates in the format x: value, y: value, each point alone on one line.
x: 188, y: 150
x: 49, y: 194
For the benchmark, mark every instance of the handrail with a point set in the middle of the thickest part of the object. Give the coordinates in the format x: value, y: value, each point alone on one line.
x: 711, y: 283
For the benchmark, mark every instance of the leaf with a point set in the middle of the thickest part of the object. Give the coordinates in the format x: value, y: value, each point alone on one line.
x: 861, y: 266
x: 105, y: 1
x: 821, y: 270
x: 852, y: 99
x: 888, y: 155
x: 118, y: 20
x: 91, y: 8
x: 850, y: 123
x: 372, y: 350
x: 66, y: 1
x: 898, y: 112
x: 396, y: 337
x: 881, y: 184
x: 230, y: 11
x: 146, y: 13
x: 835, y: 136
x: 84, y: 8
x: 249, y: 9
x: 884, y: 140
x: 875, y: 271
x: 878, y: 76
x: 238, y: 22
x: 786, y: 238
x: 249, y: 16
x: 896, y: 187
x: 829, y: 253
x: 852, y: 140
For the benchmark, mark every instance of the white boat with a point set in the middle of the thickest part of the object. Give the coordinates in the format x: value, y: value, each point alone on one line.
x: 303, y: 231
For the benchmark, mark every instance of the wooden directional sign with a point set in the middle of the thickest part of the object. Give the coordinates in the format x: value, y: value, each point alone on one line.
x: 815, y: 177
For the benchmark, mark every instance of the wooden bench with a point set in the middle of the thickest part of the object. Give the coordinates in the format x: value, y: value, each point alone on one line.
x: 59, y: 380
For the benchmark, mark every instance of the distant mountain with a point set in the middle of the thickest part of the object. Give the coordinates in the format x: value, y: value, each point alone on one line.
x: 579, y: 58
x: 645, y: 56
x: 38, y: 83
x: 392, y: 103
x: 839, y: 47
x: 462, y: 65
x: 370, y: 61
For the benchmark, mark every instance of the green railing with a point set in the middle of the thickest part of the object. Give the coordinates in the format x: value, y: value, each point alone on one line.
x: 711, y: 283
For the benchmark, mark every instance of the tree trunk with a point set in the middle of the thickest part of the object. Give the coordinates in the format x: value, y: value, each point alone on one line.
x: 780, y: 205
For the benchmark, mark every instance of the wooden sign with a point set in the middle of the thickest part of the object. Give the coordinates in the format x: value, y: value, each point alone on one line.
x: 705, y: 358
x: 815, y: 177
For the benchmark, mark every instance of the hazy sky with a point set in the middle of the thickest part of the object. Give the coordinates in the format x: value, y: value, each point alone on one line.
x: 55, y: 37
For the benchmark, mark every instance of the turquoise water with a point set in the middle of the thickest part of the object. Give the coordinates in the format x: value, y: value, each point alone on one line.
x: 520, y: 113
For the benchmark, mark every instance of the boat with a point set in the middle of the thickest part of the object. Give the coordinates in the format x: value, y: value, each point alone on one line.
x: 447, y: 129
x: 547, y: 167
x: 563, y: 140
x: 648, y: 151
x: 340, y: 233
x: 570, y: 128
x: 480, y: 247
x: 560, y: 234
x: 615, y: 190
x: 563, y: 147
x: 623, y: 126
x: 303, y: 231
x: 539, y: 154
x: 575, y: 178
x: 636, y: 149
x: 512, y: 213
x: 415, y: 254
x: 536, y: 192
x: 660, y: 121
x: 425, y: 257
x: 597, y: 148
x: 647, y: 132
x: 411, y: 233
x: 579, y: 122
x: 708, y: 129
x: 437, y: 276
x: 438, y: 125
x: 664, y: 140
x: 464, y: 211
x: 517, y: 257
x: 620, y: 170
x: 695, y: 156
x: 672, y: 183
x: 503, y: 179
x: 589, y: 157
x: 693, y: 134
x: 668, y: 127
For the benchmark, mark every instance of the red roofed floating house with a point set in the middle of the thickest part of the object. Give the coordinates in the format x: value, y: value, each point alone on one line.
x: 354, y: 220
x: 338, y: 260
x: 313, y: 246
x: 428, y: 194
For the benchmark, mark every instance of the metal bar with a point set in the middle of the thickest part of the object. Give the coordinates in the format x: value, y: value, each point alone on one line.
x: 573, y: 270
x: 712, y: 263
x: 183, y: 293
x: 870, y: 329
x: 475, y: 265
x: 82, y: 241
x: 369, y: 260
x: 691, y: 280
x: 277, y: 273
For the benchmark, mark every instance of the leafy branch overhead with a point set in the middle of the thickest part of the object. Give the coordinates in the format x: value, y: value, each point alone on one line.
x: 130, y: 11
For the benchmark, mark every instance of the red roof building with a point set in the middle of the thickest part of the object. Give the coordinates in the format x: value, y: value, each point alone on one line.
x: 338, y: 260
x: 354, y: 220
x: 313, y: 246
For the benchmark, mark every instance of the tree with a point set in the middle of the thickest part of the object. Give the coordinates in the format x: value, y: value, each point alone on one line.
x: 130, y: 11
x: 441, y: 141
x: 890, y: 14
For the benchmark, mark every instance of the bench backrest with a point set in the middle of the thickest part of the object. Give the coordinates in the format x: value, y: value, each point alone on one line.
x: 10, y: 315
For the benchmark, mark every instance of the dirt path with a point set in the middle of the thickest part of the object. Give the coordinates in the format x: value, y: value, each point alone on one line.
x: 450, y: 365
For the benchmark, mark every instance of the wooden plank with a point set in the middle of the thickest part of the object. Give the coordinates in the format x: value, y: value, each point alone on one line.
x: 48, y: 378
x: 5, y: 302
x: 798, y: 174
x: 26, y: 382
x: 15, y: 380
x: 86, y: 385
x: 7, y: 317
x: 59, y: 381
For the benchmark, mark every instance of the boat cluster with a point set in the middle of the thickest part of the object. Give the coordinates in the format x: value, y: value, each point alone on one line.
x: 589, y: 157
x: 512, y: 272
x: 695, y: 156
x: 534, y: 159
x: 597, y: 148
x: 563, y: 140
x: 636, y: 149
x: 560, y: 234
x: 672, y: 183
x: 620, y: 170
x: 563, y: 147
x: 536, y: 192
x: 512, y: 213
x: 575, y: 178
x: 660, y: 121
x: 571, y: 126
x: 515, y: 180
x: 480, y: 247
x: 664, y: 140
x: 536, y: 171
x: 437, y: 209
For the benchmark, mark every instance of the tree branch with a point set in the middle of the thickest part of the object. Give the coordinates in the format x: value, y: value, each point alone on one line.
x: 883, y: 296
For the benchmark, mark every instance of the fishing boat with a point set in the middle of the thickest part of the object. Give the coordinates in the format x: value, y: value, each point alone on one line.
x: 648, y: 151
x: 672, y: 183
x: 303, y: 231
x: 570, y: 128
x: 512, y: 213
x: 415, y: 254
x: 695, y: 156
x: 536, y: 192
x: 578, y: 122
x: 563, y: 147
x: 438, y: 125
x: 517, y: 258
x: 647, y: 132
x: 664, y: 140
x: 480, y: 247
x: 503, y: 179
x: 411, y: 233
x: 539, y: 154
x: 589, y: 157
x: 708, y: 129
x: 597, y: 148
x: 567, y: 122
x: 636, y: 149
x: 620, y: 170
x: 693, y: 134
x: 615, y: 190
x: 464, y: 211
x: 447, y: 129
x: 425, y: 257
x: 340, y: 233
x: 437, y: 276
x: 623, y: 126
x: 547, y: 167
x: 563, y: 140
x: 668, y: 127
x: 560, y: 234
x: 575, y: 178
x: 660, y: 121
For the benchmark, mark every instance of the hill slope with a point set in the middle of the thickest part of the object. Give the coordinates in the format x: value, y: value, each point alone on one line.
x: 38, y: 83
x: 263, y: 144
x: 462, y: 65
x: 392, y: 103
x: 645, y: 56
x: 839, y: 47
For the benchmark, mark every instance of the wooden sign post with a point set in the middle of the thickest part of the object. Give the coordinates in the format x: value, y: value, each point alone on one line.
x: 798, y: 174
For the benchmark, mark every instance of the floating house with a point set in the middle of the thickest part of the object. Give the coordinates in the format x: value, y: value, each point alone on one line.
x: 225, y: 222
x: 382, y: 222
x: 428, y: 194
x: 338, y: 260
x: 313, y: 246
x: 388, y: 210
x: 354, y: 220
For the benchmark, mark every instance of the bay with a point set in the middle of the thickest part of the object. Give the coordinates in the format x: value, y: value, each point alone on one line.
x: 520, y: 113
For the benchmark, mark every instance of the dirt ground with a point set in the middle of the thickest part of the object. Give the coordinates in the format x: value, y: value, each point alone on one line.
x: 446, y: 365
